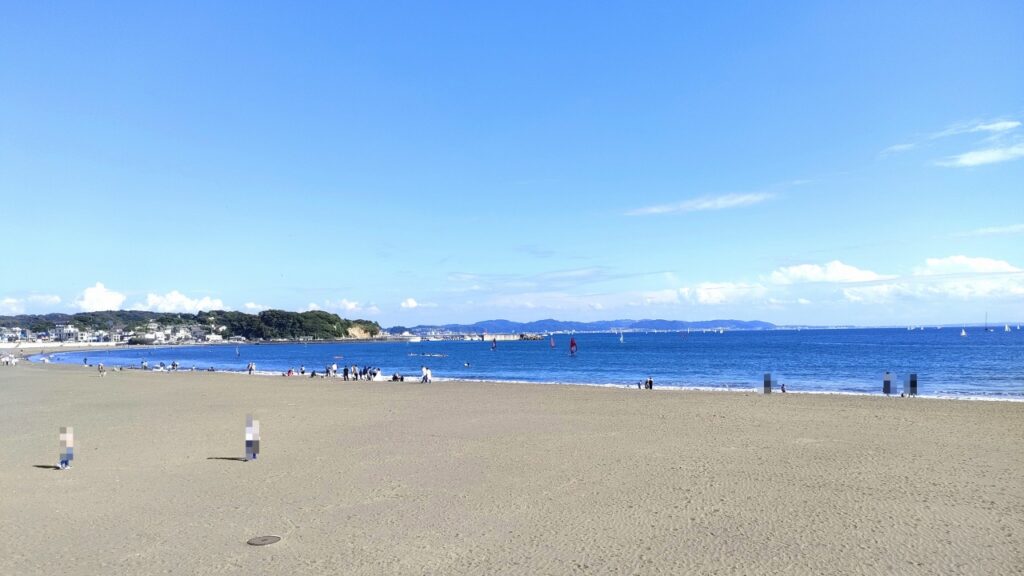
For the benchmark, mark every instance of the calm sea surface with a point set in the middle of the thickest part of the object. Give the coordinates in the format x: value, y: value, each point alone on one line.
x: 981, y: 365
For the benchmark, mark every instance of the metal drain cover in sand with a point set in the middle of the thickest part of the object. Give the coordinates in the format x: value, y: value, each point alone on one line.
x: 263, y: 540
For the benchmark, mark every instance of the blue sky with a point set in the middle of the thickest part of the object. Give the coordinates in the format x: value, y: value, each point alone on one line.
x: 811, y: 163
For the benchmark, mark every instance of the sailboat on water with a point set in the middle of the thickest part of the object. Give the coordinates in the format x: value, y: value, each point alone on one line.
x: 621, y: 340
x: 963, y: 331
x: 1006, y: 327
x: 552, y: 342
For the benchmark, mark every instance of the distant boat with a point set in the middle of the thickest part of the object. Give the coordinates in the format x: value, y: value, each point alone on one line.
x: 1006, y: 328
x: 572, y: 346
x: 963, y: 332
x: 552, y: 342
x: 494, y: 344
x: 620, y: 337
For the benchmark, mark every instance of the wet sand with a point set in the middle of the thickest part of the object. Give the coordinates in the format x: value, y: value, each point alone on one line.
x: 471, y: 478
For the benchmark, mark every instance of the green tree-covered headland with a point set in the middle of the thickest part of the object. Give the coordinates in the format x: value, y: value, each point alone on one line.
x: 267, y: 325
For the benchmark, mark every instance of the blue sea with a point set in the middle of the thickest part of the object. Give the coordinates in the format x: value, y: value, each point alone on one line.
x: 982, y: 365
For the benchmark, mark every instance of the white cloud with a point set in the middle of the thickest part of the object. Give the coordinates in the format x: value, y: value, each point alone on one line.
x: 984, y: 156
x: 995, y: 231
x: 12, y: 306
x: 953, y: 277
x: 804, y: 301
x: 346, y: 306
x: 175, y: 301
x: 98, y: 298
x: 704, y: 203
x: 44, y: 299
x: 713, y: 293
x: 409, y: 303
x: 312, y: 306
x: 876, y: 294
x: 834, y: 271
x: 964, y: 265
x: 254, y: 307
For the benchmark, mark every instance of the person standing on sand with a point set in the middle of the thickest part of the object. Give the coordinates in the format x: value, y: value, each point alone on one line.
x: 423, y: 371
x: 67, y: 447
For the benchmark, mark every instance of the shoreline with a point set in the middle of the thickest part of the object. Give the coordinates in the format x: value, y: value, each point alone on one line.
x: 659, y: 388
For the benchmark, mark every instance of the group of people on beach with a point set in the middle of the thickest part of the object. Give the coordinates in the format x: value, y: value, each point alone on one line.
x: 348, y: 373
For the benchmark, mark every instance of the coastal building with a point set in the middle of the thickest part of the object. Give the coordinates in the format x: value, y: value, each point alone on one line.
x: 65, y: 333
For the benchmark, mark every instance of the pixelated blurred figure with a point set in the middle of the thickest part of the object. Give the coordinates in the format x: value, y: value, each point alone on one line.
x: 67, y: 447
x: 252, y: 438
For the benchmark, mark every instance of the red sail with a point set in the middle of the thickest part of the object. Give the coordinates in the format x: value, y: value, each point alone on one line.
x: 572, y: 345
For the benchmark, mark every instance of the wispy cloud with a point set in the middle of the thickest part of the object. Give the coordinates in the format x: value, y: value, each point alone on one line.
x: 1000, y: 126
x: 897, y: 148
x: 984, y: 156
x: 994, y: 231
x: 704, y: 203
x: 991, y: 127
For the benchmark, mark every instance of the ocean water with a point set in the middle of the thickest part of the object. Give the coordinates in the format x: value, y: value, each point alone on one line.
x: 981, y: 365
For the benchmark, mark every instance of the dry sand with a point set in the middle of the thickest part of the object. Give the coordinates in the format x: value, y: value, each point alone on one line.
x: 469, y: 478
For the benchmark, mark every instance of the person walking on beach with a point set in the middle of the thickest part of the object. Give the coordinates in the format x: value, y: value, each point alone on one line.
x: 423, y: 371
x: 103, y: 371
x: 67, y: 447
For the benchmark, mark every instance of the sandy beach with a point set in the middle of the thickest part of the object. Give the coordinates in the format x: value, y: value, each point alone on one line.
x: 471, y: 478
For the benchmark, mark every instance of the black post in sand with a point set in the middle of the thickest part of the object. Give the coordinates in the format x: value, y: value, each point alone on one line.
x: 910, y: 385
x: 767, y: 382
x: 887, y: 383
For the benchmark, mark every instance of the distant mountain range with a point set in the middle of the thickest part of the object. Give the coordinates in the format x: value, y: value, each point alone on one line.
x: 550, y: 325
